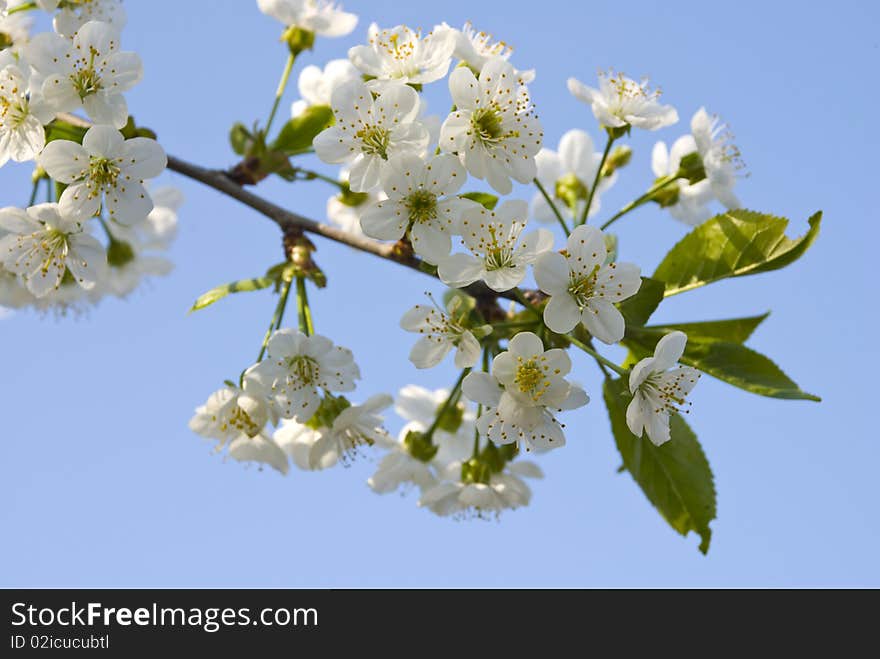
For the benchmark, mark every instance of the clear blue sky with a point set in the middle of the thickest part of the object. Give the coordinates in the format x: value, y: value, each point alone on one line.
x: 103, y: 484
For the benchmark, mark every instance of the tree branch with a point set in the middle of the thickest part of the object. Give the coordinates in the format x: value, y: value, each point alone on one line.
x: 288, y: 221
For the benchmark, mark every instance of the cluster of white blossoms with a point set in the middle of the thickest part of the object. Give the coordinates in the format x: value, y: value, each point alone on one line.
x: 50, y: 254
x: 403, y: 177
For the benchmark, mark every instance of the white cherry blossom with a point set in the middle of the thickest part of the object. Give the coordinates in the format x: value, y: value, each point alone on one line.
x: 527, y: 384
x: 322, y: 447
x: 76, y: 13
x: 621, y: 101
x: 43, y: 243
x: 583, y: 288
x: 493, y: 129
x: 89, y: 72
x: 261, y: 449
x: 497, y: 255
x: 14, y: 32
x: 419, y: 407
x: 477, y: 48
x: 298, y: 366
x: 369, y: 131
x: 316, y: 85
x: 234, y: 411
x: 440, y: 333
x: 402, y: 55
x: 567, y: 175
x: 659, y: 388
x: 323, y: 17
x: 720, y: 157
x: 399, y: 468
x: 504, y: 491
x: 105, y: 167
x: 421, y: 203
x: 691, y: 206
x: 22, y: 115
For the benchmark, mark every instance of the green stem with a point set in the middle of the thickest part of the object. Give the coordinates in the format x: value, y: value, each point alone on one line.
x: 553, y: 207
x: 513, y: 325
x: 599, y: 358
x: 27, y: 6
x: 592, y: 192
x: 306, y: 325
x: 310, y: 174
x: 282, y: 85
x: 453, y: 395
x: 34, y: 192
x: 276, y: 318
x: 659, y: 185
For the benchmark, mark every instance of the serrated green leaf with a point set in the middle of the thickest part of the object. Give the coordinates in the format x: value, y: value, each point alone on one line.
x: 732, y: 244
x: 730, y: 362
x: 486, y: 200
x: 675, y: 477
x: 297, y: 134
x: 241, y: 286
x: 637, y: 309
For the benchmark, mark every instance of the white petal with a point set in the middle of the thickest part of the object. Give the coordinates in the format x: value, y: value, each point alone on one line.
x: 459, y: 270
x: 604, y: 321
x: 103, y: 141
x: 562, y: 314
x: 482, y: 388
x: 64, y: 160
x: 552, y: 273
x: 428, y: 352
x: 468, y: 353
x: 143, y: 158
x: 669, y: 350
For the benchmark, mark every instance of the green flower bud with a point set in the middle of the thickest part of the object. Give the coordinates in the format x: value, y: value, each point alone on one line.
x: 667, y: 196
x: 298, y: 39
x: 119, y: 253
x: 691, y: 167
x: 451, y: 419
x: 617, y: 159
x: 330, y: 408
x: 618, y: 132
x: 475, y: 471
x: 571, y: 190
x: 419, y: 447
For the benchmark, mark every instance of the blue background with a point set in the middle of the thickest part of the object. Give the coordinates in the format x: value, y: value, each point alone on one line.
x: 103, y: 484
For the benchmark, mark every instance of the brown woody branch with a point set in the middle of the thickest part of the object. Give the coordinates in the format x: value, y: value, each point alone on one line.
x: 290, y: 222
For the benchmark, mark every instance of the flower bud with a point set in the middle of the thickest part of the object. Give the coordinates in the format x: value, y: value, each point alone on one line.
x: 571, y: 190
x: 691, y: 168
x: 617, y: 159
x: 298, y: 39
x: 475, y: 471
x: 419, y: 447
x: 119, y: 253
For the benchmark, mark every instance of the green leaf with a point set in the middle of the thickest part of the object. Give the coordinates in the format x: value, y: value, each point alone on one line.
x: 297, y: 134
x: 728, y: 361
x: 61, y: 130
x: 241, y: 139
x: 638, y: 308
x: 735, y: 330
x: 732, y: 244
x: 675, y: 477
x: 486, y: 200
x: 241, y: 286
